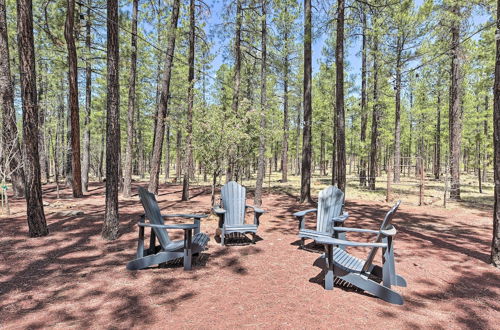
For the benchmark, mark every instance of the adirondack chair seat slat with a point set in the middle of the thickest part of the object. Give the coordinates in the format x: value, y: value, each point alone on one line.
x: 232, y: 212
x: 328, y: 215
x: 168, y: 249
x: 338, y: 263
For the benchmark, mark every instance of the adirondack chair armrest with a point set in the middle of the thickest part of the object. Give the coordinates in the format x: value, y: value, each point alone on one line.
x: 356, y: 230
x: 341, y: 218
x: 256, y: 209
x: 184, y: 226
x: 301, y: 214
x: 186, y: 216
x: 218, y: 210
x: 341, y: 242
x: 389, y: 232
x: 257, y: 213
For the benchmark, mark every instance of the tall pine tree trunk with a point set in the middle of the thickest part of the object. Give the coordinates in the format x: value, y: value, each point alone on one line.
x: 286, y: 124
x: 364, y: 111
x: 33, y: 189
x: 495, y: 243
x: 111, y: 217
x: 163, y: 105
x: 261, y: 166
x: 127, y: 180
x: 88, y: 103
x: 372, y: 173
x: 339, y: 98
x: 9, y: 138
x: 189, y: 120
x: 73, y: 99
x: 397, y: 115
x: 305, y: 180
x: 455, y: 107
x: 437, y: 155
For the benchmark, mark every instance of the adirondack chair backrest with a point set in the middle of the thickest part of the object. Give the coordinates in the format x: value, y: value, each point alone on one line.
x: 330, y: 203
x: 153, y: 213
x: 233, y: 201
x: 386, y: 224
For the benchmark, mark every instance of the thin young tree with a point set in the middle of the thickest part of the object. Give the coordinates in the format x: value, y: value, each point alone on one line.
x: 69, y: 30
x: 495, y: 243
x: 9, y: 138
x: 127, y: 173
x: 111, y: 216
x: 33, y: 188
x: 305, y: 180
x: 364, y: 111
x: 189, y: 121
x: 261, y: 162
x: 163, y: 104
x: 372, y: 172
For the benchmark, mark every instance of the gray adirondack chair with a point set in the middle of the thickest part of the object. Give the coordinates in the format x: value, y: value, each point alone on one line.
x: 168, y: 249
x: 339, y: 263
x: 328, y: 215
x: 232, y: 212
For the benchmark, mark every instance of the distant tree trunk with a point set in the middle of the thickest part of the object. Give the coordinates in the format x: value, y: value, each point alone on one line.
x: 189, y: 120
x: 286, y: 124
x: 297, y: 143
x: 88, y: 103
x: 73, y: 99
x: 261, y: 167
x: 9, y: 138
x: 364, y: 112
x: 237, y: 82
x: 178, y: 151
x: 437, y: 155
x: 164, y: 98
x: 495, y: 243
x: 339, y: 98
x: 305, y: 181
x: 455, y: 107
x: 167, y: 154
x: 397, y: 115
x: 372, y: 173
x: 127, y: 180
x: 33, y: 189
x: 111, y: 217
x: 44, y: 176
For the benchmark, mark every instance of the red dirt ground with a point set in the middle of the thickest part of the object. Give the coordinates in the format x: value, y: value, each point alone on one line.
x: 73, y: 278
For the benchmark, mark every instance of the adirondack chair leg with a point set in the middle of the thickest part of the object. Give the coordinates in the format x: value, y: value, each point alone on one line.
x: 188, y: 253
x: 330, y: 274
x: 374, y: 288
x: 222, y: 236
x: 302, y: 243
x: 140, y: 243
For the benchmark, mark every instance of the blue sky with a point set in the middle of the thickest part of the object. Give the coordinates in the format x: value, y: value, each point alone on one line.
x: 352, y: 52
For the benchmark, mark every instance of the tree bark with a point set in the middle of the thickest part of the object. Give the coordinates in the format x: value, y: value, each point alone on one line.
x: 73, y: 99
x: 33, y: 188
x: 397, y: 115
x: 189, y: 120
x: 305, y: 180
x: 9, y: 138
x: 339, y: 98
x: 127, y: 180
x: 163, y: 105
x: 495, y: 243
x: 111, y: 216
x: 437, y: 155
x: 455, y: 107
x: 286, y: 124
x: 372, y: 173
x: 364, y: 112
x: 88, y: 103
x: 261, y: 163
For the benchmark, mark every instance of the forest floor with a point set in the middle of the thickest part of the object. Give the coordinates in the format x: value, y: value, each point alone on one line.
x: 73, y: 278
